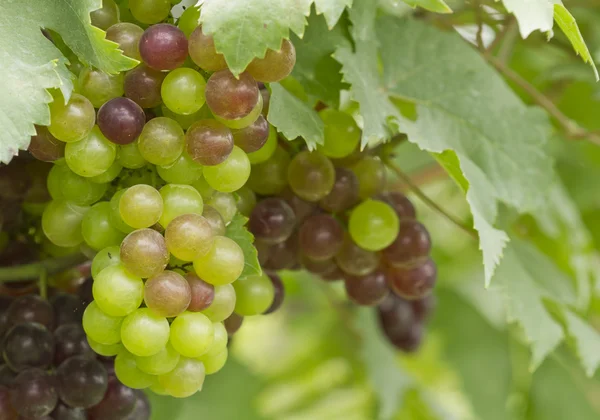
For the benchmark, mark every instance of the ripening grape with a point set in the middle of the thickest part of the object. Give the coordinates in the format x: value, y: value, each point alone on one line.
x: 266, y: 150
x: 183, y: 171
x: 182, y: 91
x: 161, y: 141
x: 252, y: 138
x: 214, y: 363
x: 344, y: 193
x: 144, y: 253
x: 33, y: 393
x: 97, y: 230
x: 163, y: 46
x: 311, y: 175
x: 231, y: 174
x: 185, y: 380
x: 127, y: 36
x: 44, y: 146
x: 223, y: 264
x: 82, y: 381
x: 413, y: 282
x: 202, y: 293
x: 243, y: 122
x: 179, y: 200
x: 189, y: 236
x: 367, y: 290
x: 100, y: 327
x: 370, y: 172
x: 160, y: 363
x: 167, y: 294
x: 61, y: 223
x: 373, y: 225
x: 150, y: 11
x: 106, y: 16
x: 270, y: 177
x: 272, y: 220
x: 192, y: 334
x: 141, y: 206
x: 275, y: 65
x: 144, y: 333
x: 215, y: 220
x: 412, y: 245
x: 202, y: 51
x: 355, y: 260
x: 143, y: 84
x: 254, y: 294
x: 225, y: 204
x: 72, y: 121
x: 342, y: 135
x: 117, y: 292
x: 209, y: 142
x: 321, y: 237
x: 230, y: 98
x: 121, y: 120
x: 65, y: 184
x: 129, y: 374
x: 99, y: 87
x: 91, y: 156
x: 130, y: 157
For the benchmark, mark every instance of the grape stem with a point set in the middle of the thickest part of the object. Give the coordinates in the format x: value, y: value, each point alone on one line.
x: 419, y: 193
x: 40, y: 269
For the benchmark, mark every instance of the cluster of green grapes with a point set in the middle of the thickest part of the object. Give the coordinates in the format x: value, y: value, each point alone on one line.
x: 145, y: 167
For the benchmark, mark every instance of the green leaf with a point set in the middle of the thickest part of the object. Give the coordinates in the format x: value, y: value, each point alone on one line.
x: 237, y: 231
x: 31, y: 64
x: 294, y: 118
x: 332, y: 9
x: 532, y: 15
x: 586, y: 341
x: 438, y: 6
x: 567, y: 23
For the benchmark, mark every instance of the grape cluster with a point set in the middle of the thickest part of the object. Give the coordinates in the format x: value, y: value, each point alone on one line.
x: 49, y: 370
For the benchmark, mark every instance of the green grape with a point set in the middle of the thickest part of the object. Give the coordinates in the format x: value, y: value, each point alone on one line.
x: 182, y: 91
x: 223, y: 264
x: 127, y: 35
x: 246, y: 200
x: 243, y: 122
x: 141, y: 206
x: 271, y: 176
x: 104, y: 258
x: 130, y: 156
x: 65, y: 184
x: 215, y: 220
x: 97, y: 230
x: 370, y: 172
x: 230, y: 175
x: 225, y: 204
x: 72, y: 121
x: 373, y: 225
x: 162, y: 141
x: 311, y: 175
x: 222, y: 305
x: 150, y: 11
x: 178, y: 200
x: 158, y: 389
x: 189, y: 236
x: 342, y: 135
x: 221, y: 337
x: 254, y: 294
x: 214, y: 362
x: 183, y: 171
x: 266, y: 151
x: 106, y: 16
x: 205, y: 190
x: 185, y: 380
x: 102, y: 328
x: 61, y: 223
x: 100, y: 87
x: 144, y: 333
x: 117, y: 292
x: 160, y: 363
x: 188, y: 21
x: 186, y: 121
x: 192, y: 334
x: 106, y: 350
x: 54, y: 250
x: 202, y: 48
x: 128, y: 372
x: 108, y: 176
x: 115, y: 213
x: 91, y: 156
x: 144, y: 253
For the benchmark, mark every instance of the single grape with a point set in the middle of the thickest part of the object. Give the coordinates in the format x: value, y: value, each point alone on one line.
x: 270, y: 177
x: 161, y: 141
x: 235, y: 321
x: 121, y: 120
x: 215, y: 220
x: 183, y: 171
x: 97, y: 230
x: 254, y: 294
x: 373, y: 225
x: 144, y: 253
x: 179, y: 200
x: 342, y: 135
x: 202, y: 293
x: 367, y: 290
x: 30, y: 308
x: 91, y: 156
x: 70, y: 341
x: 209, y: 142
x: 82, y: 381
x: 130, y: 157
x: 100, y: 87
x: 414, y: 282
x: 28, y: 345
x: 104, y: 258
x: 231, y: 98
x: 192, y: 334
x: 189, y: 236
x: 188, y: 21
x: 202, y: 51
x: 246, y: 200
x: 129, y: 373
x: 106, y: 350
x: 311, y: 175
x: 302, y: 208
x: 65, y: 184
x: 355, y: 260
x: 106, y: 16
x: 167, y: 294
x: 118, y: 402
x: 321, y: 237
x: 144, y: 333
x: 72, y: 121
x: 143, y: 85
x: 141, y: 206
x: 185, y: 380
x: 163, y: 46
x: 400, y: 203
x: 44, y: 146
x: 411, y: 246
x: 243, y: 122
x: 182, y: 91
x: 150, y: 11
x: 68, y: 308
x: 344, y: 193
x: 33, y: 393
x: 275, y: 65
x: 225, y: 204
x: 118, y: 292
x: 102, y: 328
x: 223, y: 303
x: 223, y: 264
x: 272, y: 220
x: 370, y: 172
x: 214, y: 362
x: 160, y: 363
x: 266, y: 150
x: 64, y: 412
x: 231, y: 174
x: 127, y: 36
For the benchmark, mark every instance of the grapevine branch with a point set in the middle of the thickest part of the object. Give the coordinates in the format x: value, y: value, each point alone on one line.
x: 39, y: 269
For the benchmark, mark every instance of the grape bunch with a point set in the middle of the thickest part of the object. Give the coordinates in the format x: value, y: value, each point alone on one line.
x: 49, y: 371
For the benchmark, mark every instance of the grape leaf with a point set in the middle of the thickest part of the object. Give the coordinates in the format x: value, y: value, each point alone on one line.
x: 586, y: 341
x: 237, y: 231
x: 332, y: 9
x: 438, y: 6
x: 294, y: 118
x: 31, y: 64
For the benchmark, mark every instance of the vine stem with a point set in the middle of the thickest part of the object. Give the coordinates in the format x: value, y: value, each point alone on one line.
x: 419, y: 193
x: 40, y: 269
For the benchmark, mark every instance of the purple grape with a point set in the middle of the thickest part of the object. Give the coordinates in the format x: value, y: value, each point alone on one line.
x: 30, y: 308
x: 82, y: 381
x: 28, y: 345
x: 367, y: 290
x: 121, y: 120
x: 118, y: 402
x: 321, y: 237
x: 413, y: 282
x: 272, y: 220
x: 70, y: 341
x: 33, y: 393
x: 163, y: 47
